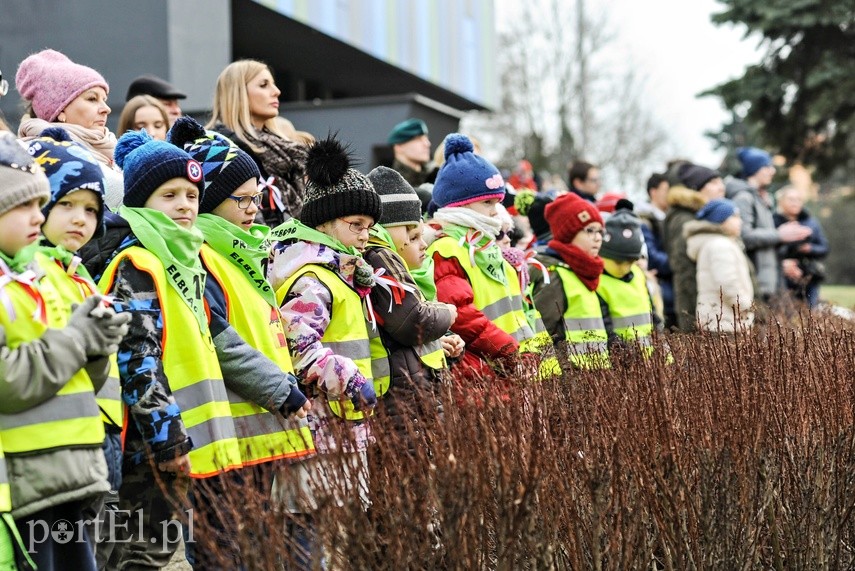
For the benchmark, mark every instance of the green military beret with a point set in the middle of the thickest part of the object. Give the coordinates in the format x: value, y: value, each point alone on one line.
x: 406, y: 130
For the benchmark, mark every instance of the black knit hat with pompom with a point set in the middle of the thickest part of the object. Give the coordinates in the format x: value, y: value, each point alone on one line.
x: 334, y: 189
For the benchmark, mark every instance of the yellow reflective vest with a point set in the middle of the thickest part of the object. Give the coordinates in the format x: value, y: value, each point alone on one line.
x: 71, y: 417
x: 74, y: 290
x: 348, y: 331
x: 190, y: 363
x: 584, y: 330
x: 501, y: 304
x: 630, y: 308
x: 262, y: 435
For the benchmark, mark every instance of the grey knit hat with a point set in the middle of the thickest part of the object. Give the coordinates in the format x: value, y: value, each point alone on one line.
x: 334, y: 189
x: 401, y: 203
x: 21, y: 178
x: 623, y: 239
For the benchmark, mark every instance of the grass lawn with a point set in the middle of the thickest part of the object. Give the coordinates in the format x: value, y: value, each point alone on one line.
x: 842, y: 295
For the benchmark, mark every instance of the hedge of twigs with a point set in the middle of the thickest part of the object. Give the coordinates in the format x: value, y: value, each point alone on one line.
x: 739, y: 454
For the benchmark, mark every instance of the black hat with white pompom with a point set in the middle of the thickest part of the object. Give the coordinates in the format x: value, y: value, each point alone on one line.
x: 334, y: 189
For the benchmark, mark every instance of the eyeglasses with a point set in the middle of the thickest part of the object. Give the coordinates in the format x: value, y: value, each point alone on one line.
x: 501, y: 235
x: 243, y: 202
x: 590, y: 230
x: 357, y: 227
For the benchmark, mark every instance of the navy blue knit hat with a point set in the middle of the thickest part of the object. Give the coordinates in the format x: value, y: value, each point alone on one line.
x: 226, y: 166
x: 465, y: 177
x: 147, y: 164
x: 752, y: 160
x: 69, y: 167
x: 717, y: 211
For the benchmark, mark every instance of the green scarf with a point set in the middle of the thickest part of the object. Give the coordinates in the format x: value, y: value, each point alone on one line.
x: 488, y: 257
x: 245, y: 250
x: 64, y: 256
x: 423, y: 276
x: 178, y: 249
x: 19, y: 262
x: 293, y: 229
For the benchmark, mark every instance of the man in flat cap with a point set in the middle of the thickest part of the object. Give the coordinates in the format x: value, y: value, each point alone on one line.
x: 159, y: 89
x: 409, y: 141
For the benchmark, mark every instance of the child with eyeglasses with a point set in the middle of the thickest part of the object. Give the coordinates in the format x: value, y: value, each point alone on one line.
x: 566, y: 292
x: 470, y: 271
x: 321, y: 282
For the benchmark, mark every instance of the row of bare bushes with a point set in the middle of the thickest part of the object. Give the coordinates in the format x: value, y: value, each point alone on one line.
x: 738, y: 455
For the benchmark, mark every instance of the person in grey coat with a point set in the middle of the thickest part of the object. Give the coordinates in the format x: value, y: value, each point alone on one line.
x: 759, y: 234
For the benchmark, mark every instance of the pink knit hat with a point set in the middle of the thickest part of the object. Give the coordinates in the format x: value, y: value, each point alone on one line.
x: 50, y: 81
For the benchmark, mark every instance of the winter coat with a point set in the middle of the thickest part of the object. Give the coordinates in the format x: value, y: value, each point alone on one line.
x: 724, y: 278
x: 758, y: 233
x: 96, y: 254
x: 403, y: 326
x: 549, y: 298
x: 683, y: 205
x: 809, y: 262
x: 29, y: 375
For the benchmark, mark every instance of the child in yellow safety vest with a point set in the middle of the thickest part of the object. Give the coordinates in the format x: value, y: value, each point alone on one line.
x: 411, y: 330
x: 321, y: 282
x: 179, y: 419
x: 73, y: 216
x: 245, y: 320
x: 469, y: 269
x: 567, y: 298
x: 54, y: 358
x: 625, y: 301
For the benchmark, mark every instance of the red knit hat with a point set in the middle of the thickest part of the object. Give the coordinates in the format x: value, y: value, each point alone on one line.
x: 568, y: 214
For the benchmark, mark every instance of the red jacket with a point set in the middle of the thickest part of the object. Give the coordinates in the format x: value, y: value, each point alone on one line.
x: 484, y: 340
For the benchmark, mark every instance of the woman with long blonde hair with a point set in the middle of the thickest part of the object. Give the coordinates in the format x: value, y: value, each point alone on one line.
x: 246, y: 108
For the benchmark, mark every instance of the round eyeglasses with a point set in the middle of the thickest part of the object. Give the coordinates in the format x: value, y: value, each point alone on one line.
x: 357, y: 227
x: 243, y: 202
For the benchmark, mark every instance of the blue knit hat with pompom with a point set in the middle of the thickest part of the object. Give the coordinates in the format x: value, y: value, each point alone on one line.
x: 465, y: 177
x: 147, y: 164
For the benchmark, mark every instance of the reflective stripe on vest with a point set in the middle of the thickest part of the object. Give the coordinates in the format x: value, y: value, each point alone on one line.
x: 262, y: 435
x: 109, y: 398
x: 190, y: 364
x: 585, y: 331
x: 499, y: 303
x: 630, y: 308
x: 432, y: 355
x: 69, y: 418
x: 5, y: 492
x: 347, y: 332
x: 380, y: 370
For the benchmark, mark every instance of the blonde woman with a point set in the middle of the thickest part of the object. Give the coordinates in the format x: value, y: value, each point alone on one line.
x: 246, y: 108
x: 144, y: 112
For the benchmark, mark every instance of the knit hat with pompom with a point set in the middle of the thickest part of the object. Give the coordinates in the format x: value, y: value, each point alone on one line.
x: 225, y: 165
x: 465, y: 177
x: 147, y: 164
x: 335, y: 190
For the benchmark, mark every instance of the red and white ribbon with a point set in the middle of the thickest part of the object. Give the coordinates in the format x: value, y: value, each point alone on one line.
x: 393, y: 287
x: 274, y: 194
x: 27, y: 280
x: 471, y: 239
x: 532, y: 261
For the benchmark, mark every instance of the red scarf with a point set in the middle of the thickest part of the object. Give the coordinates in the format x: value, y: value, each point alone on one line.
x: 586, y: 268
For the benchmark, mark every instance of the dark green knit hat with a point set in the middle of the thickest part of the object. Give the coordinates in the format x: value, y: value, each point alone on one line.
x: 334, y: 189
x: 406, y: 130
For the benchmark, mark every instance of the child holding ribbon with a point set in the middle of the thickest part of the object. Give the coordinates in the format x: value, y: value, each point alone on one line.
x: 411, y: 329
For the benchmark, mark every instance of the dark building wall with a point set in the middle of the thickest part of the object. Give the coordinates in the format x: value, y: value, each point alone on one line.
x: 118, y: 38
x: 365, y: 123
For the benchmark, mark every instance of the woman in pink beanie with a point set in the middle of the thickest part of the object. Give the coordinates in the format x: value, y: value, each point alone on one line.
x: 61, y: 93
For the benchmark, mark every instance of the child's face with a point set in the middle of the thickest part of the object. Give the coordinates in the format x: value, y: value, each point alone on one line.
x: 72, y: 221
x: 178, y: 198
x: 410, y: 244
x: 732, y: 226
x: 504, y: 237
x: 485, y: 207
x: 589, y: 239
x: 231, y: 210
x: 20, y: 227
x: 352, y: 231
